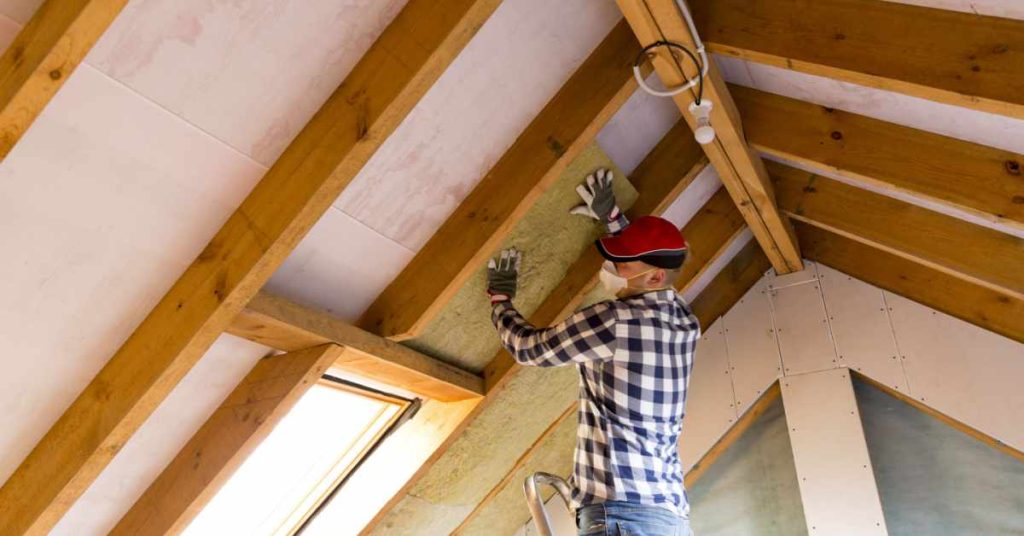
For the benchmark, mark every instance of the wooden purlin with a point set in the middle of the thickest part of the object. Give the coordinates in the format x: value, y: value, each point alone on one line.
x: 283, y: 325
x: 961, y: 175
x: 739, y: 167
x: 378, y: 93
x: 956, y: 58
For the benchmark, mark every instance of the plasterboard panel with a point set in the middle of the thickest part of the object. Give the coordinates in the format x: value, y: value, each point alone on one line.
x: 250, y: 73
x: 837, y: 484
x: 804, y: 339
x: 106, y: 200
x: 1010, y: 9
x: 753, y: 349
x: 806, y: 275
x: 340, y: 266
x: 161, y: 437
x: 473, y: 113
x: 637, y: 127
x: 709, y: 402
x: 860, y: 325
x: 692, y: 199
x: 961, y: 370
x: 946, y: 119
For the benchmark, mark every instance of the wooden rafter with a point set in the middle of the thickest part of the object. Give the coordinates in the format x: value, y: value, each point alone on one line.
x: 283, y: 325
x: 983, y: 181
x: 43, y: 56
x: 970, y: 252
x: 957, y: 58
x: 660, y: 178
x: 740, y: 168
x: 981, y: 306
x: 326, y: 155
x: 243, y: 420
x: 566, y: 125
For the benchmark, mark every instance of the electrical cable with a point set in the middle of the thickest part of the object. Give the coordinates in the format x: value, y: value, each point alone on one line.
x: 698, y: 81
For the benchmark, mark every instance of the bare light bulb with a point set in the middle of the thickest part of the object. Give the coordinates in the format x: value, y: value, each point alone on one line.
x: 704, y: 133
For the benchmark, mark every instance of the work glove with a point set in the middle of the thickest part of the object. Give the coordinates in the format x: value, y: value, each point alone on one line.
x: 502, y: 274
x: 598, y: 197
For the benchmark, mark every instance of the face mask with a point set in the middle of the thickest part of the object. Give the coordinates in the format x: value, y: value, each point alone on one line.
x: 615, y: 283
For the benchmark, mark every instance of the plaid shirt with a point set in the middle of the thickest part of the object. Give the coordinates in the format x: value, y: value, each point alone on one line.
x: 634, y: 358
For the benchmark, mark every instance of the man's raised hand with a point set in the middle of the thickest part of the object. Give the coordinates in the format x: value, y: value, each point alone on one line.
x: 502, y: 273
x: 598, y: 197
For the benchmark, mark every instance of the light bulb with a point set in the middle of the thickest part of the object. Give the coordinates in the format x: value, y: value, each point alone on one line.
x: 704, y: 133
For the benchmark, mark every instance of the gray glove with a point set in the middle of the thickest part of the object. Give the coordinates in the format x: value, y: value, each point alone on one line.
x: 598, y: 197
x: 502, y: 274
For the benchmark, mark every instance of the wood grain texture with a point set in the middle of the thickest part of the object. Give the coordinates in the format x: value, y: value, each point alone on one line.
x: 739, y: 168
x: 971, y: 252
x: 43, y: 56
x: 244, y: 419
x: 381, y: 89
x: 956, y: 58
x: 669, y: 168
x: 284, y: 325
x: 984, y: 181
x: 981, y: 306
x: 733, y: 434
x: 709, y: 234
x: 735, y: 279
x: 566, y: 125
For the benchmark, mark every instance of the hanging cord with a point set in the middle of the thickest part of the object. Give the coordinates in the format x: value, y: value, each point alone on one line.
x: 698, y: 81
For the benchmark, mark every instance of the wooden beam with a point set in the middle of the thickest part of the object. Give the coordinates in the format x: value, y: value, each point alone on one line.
x: 942, y: 417
x: 981, y: 306
x: 281, y: 324
x: 965, y: 176
x: 660, y: 178
x: 970, y: 252
x: 946, y: 56
x: 244, y: 419
x: 733, y: 434
x: 735, y: 279
x: 740, y: 169
x: 43, y: 56
x: 566, y: 125
x: 381, y: 89
x: 670, y: 167
x: 709, y: 234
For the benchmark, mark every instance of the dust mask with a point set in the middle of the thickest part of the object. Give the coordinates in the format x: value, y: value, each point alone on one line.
x: 615, y: 283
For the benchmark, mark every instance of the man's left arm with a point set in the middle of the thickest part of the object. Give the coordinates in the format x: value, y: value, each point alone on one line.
x: 587, y: 335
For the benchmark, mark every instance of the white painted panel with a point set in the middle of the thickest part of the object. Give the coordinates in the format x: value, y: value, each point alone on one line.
x: 804, y: 339
x: 19, y: 11
x: 105, y: 201
x: 961, y: 370
x: 1010, y: 9
x: 837, y: 484
x: 513, y: 66
x: 340, y: 266
x: 691, y: 199
x: 250, y: 73
x: 161, y: 437
x: 808, y: 274
x: 753, y: 349
x: 636, y: 128
x: 709, y: 402
x: 860, y: 325
x: 9, y: 29
x: 946, y: 119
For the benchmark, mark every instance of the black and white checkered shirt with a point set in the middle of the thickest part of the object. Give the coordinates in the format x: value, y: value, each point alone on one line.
x: 634, y: 358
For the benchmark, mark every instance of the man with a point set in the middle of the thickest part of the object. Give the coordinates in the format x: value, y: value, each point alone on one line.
x: 634, y: 356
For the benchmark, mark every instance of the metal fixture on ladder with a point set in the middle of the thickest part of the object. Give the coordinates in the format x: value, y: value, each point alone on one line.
x: 536, y: 503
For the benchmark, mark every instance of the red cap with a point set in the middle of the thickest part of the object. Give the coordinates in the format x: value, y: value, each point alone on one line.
x: 653, y: 240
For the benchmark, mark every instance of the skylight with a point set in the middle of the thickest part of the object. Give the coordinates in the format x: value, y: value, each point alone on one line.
x: 299, y: 463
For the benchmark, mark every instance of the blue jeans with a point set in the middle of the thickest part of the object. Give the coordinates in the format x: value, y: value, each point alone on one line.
x: 619, y: 518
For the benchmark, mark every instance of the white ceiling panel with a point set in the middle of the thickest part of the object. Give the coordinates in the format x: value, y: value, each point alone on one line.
x: 637, y: 127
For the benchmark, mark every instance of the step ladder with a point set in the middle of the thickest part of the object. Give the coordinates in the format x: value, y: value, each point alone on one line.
x: 536, y: 502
